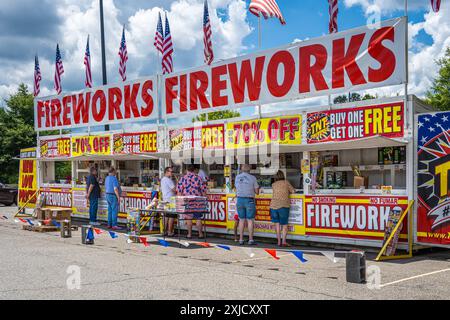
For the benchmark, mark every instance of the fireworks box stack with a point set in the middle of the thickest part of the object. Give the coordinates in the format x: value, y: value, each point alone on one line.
x: 191, y: 204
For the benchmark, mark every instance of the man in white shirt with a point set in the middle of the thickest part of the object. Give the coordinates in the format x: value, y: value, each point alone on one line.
x: 168, y: 190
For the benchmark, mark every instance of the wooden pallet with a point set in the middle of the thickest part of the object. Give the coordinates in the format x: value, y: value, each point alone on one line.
x: 41, y: 229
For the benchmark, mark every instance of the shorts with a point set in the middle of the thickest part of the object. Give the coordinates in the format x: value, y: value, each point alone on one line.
x: 280, y: 216
x: 195, y: 216
x: 246, y: 208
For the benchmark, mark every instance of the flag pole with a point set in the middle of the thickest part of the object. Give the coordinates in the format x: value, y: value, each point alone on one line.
x: 259, y: 48
x: 102, y: 32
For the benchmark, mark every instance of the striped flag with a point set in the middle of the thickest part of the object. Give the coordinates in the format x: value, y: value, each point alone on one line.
x: 266, y: 8
x: 167, y: 60
x: 123, y: 53
x: 37, y: 77
x: 436, y: 5
x: 87, y: 63
x: 59, y: 71
x: 209, y: 53
x: 159, y: 37
x: 333, y: 10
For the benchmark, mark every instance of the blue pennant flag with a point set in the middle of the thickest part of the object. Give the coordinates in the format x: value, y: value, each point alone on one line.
x: 163, y: 243
x: 31, y: 223
x: 223, y: 247
x: 90, y: 234
x: 299, y: 255
x: 5, y: 217
x: 113, y: 235
x: 56, y: 224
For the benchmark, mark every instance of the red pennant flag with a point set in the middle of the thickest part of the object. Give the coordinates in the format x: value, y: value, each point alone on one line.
x: 205, y: 245
x: 144, y: 241
x: 47, y: 222
x: 98, y: 231
x: 22, y: 220
x: 273, y: 253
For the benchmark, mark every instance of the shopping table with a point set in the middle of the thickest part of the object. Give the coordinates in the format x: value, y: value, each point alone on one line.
x: 176, y: 215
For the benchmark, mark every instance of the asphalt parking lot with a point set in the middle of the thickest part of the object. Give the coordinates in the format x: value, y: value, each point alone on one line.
x: 45, y: 266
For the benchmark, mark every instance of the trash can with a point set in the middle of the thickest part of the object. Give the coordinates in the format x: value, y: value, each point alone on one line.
x: 356, y: 267
x: 84, y: 235
x: 66, y: 229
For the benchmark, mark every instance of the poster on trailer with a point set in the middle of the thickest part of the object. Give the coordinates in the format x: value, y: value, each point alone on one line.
x: 433, y: 161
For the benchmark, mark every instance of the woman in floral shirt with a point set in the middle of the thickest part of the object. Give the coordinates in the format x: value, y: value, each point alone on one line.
x: 192, y: 185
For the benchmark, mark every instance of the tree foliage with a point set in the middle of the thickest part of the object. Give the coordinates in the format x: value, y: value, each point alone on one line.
x: 16, y: 132
x: 353, y: 97
x: 439, y: 94
x: 218, y: 115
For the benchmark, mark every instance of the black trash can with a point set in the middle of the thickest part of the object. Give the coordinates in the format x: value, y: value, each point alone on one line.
x: 66, y: 229
x: 84, y: 234
x: 356, y: 267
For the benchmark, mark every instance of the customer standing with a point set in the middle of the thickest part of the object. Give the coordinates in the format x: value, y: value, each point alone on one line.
x: 246, y: 190
x: 192, y: 185
x: 93, y: 194
x: 168, y: 190
x: 280, y: 206
x: 112, y: 188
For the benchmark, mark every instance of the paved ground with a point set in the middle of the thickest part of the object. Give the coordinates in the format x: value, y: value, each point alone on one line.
x: 35, y: 266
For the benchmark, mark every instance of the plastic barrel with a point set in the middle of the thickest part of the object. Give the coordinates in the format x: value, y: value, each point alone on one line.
x: 84, y: 233
x: 356, y: 267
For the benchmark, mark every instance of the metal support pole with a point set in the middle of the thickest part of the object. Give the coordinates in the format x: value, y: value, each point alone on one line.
x: 102, y: 32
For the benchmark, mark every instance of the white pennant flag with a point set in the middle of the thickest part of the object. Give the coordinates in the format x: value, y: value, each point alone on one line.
x: 184, y: 243
x: 249, y: 252
x: 331, y: 256
x: 16, y: 220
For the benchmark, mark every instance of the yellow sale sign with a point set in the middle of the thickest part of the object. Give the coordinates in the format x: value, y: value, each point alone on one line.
x: 27, y: 178
x: 282, y: 130
x: 91, y: 145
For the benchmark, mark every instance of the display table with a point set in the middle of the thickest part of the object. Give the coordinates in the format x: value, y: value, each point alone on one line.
x: 176, y: 215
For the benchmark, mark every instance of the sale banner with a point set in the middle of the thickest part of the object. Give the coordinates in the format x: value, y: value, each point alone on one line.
x: 433, y: 166
x: 282, y: 130
x: 209, y: 137
x: 91, y: 146
x: 135, y: 143
x: 55, y: 148
x: 356, y: 217
x: 217, y: 217
x: 27, y: 178
x: 57, y: 197
x: 356, y: 123
x: 263, y: 221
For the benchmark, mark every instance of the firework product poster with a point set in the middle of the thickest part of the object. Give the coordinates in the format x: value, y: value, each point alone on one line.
x: 135, y: 143
x: 433, y: 208
x: 385, y: 120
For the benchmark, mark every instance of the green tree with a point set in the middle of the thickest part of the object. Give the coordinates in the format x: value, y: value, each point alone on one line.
x: 439, y: 94
x: 16, y: 132
x: 340, y: 99
x: 369, y: 97
x: 218, y: 115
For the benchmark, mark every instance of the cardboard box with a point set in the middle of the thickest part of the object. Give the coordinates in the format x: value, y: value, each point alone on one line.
x: 212, y: 184
x: 359, y: 182
x: 61, y: 214
x: 40, y: 214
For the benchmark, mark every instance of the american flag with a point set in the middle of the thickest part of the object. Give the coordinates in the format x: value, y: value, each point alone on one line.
x: 59, y: 71
x: 333, y: 10
x: 432, y: 125
x: 209, y: 53
x: 266, y: 8
x: 436, y: 5
x: 159, y: 37
x: 37, y: 77
x: 123, y: 53
x: 167, y: 61
x: 87, y: 63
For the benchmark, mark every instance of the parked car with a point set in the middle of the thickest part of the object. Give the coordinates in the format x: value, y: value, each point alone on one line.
x: 8, y: 195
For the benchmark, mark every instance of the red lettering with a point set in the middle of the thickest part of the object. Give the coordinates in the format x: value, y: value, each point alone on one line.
x: 81, y: 109
x: 246, y: 79
x: 40, y: 113
x: 171, y: 94
x: 47, y: 113
x: 308, y: 71
x: 347, y: 61
x: 130, y: 101
x: 383, y: 55
x: 183, y: 93
x: 114, y: 103
x: 148, y: 98
x: 56, y: 113
x: 285, y: 58
x: 218, y: 86
x: 66, y: 110
x: 99, y: 113
x: 198, y: 91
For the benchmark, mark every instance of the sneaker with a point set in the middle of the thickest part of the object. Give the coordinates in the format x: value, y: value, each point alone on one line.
x: 108, y: 227
x: 241, y: 243
x: 115, y: 228
x: 252, y: 243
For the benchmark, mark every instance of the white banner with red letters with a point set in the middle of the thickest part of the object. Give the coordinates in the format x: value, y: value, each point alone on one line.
x: 127, y: 102
x: 357, y: 59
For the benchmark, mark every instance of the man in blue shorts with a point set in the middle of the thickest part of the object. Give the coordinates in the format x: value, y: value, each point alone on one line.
x: 246, y: 190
